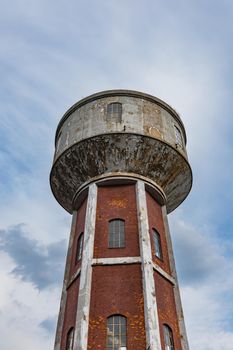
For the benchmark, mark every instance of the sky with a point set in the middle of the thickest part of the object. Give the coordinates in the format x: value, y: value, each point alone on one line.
x: 54, y: 53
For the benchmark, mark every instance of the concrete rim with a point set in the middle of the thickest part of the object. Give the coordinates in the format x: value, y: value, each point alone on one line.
x: 93, y: 137
x: 120, y: 178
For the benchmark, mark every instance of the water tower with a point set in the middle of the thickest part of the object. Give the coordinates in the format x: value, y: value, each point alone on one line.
x: 120, y: 166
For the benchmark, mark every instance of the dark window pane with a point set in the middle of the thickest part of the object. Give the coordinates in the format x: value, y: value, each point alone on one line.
x: 79, y: 247
x: 157, y: 244
x: 109, y: 340
x: 70, y: 339
x: 116, y: 329
x: 168, y: 338
x: 123, y: 340
x: 110, y: 327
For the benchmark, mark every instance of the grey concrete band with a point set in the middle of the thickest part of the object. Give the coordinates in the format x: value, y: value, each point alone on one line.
x: 163, y: 273
x: 82, y: 317
x: 179, y: 310
x: 73, y: 277
x: 57, y: 345
x: 150, y: 305
x: 129, y: 260
x: 117, y: 261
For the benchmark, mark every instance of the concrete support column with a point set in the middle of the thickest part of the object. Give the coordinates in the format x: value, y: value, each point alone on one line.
x: 179, y: 310
x: 57, y: 344
x: 82, y: 318
x: 150, y: 305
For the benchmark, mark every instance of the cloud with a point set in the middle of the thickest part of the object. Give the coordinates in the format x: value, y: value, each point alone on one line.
x: 49, y: 324
x: 200, y: 256
x: 42, y: 265
x: 204, y: 273
x: 22, y: 310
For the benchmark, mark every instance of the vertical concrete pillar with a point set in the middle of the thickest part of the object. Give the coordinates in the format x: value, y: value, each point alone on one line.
x: 150, y: 305
x: 179, y: 310
x: 57, y: 345
x: 82, y: 318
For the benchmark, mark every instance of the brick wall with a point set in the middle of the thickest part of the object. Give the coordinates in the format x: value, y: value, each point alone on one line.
x: 116, y: 202
x: 166, y: 308
x: 155, y: 219
x: 117, y: 290
x: 80, y: 224
x: 70, y: 311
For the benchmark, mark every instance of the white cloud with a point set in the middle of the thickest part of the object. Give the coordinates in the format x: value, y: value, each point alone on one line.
x: 206, y: 285
x: 22, y: 309
x: 33, y: 262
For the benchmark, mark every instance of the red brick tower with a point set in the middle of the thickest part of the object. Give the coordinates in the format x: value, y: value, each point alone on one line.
x: 120, y: 166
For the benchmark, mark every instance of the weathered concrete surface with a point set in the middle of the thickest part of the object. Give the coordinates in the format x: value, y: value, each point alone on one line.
x: 82, y: 318
x: 128, y: 153
x: 163, y: 273
x: 88, y: 144
x: 150, y: 306
x: 117, y: 261
x: 141, y: 113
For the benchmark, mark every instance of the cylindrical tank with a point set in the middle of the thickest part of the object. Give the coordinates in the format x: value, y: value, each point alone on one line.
x: 121, y: 133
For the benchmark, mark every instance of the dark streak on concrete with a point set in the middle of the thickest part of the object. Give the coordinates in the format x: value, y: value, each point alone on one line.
x: 128, y: 153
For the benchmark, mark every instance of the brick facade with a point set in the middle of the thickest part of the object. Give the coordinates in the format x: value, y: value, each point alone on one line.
x: 117, y: 289
x: 116, y: 202
x: 167, y: 309
x: 155, y: 219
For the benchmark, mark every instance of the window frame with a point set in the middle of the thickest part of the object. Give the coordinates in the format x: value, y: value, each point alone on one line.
x: 114, y: 112
x: 157, y: 244
x: 116, y: 322
x: 112, y: 243
x: 68, y: 345
x: 168, y: 337
x: 79, y: 248
x: 178, y: 136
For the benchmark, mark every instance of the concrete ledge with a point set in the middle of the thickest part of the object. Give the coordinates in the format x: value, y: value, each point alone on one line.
x: 163, y: 273
x: 121, y: 153
x: 73, y: 277
x: 117, y: 261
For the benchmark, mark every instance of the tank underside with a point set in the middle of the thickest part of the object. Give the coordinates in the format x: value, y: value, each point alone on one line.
x: 108, y: 154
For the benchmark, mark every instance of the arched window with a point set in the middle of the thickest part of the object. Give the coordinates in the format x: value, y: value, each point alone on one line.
x: 179, y: 141
x: 116, y: 332
x: 70, y: 339
x: 168, y: 338
x: 114, y: 112
x: 79, y: 248
x: 116, y: 233
x: 157, y: 244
